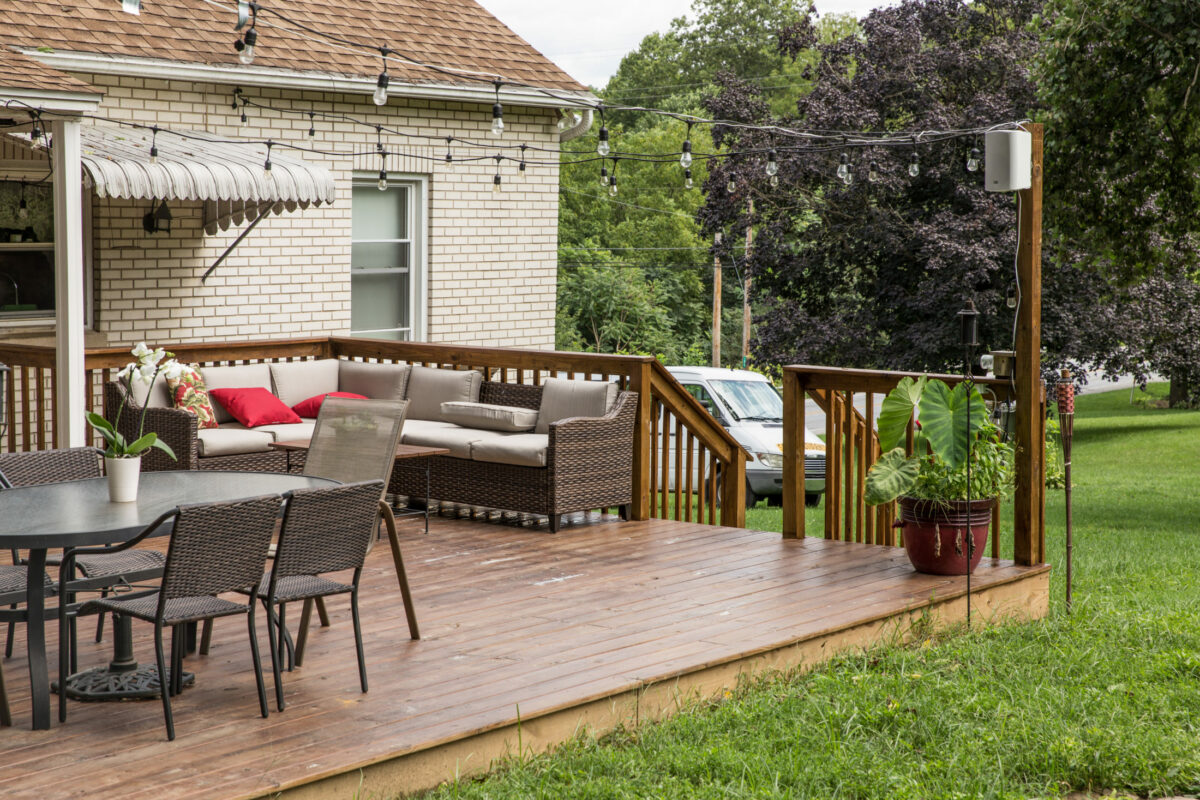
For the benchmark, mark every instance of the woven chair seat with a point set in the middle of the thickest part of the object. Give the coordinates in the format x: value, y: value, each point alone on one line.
x: 301, y: 587
x: 12, y: 579
x: 180, y: 609
x: 123, y: 563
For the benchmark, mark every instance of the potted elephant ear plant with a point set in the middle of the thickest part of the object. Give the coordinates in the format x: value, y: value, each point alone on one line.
x: 122, y: 457
x: 931, y: 484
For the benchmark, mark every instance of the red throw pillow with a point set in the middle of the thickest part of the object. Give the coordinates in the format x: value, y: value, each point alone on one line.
x: 254, y: 406
x: 312, y: 406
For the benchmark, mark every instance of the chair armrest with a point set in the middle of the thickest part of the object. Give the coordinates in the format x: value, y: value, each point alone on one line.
x: 66, y: 569
x: 576, y: 441
x: 174, y: 426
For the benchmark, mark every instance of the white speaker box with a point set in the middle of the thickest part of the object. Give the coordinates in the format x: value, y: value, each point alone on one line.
x: 1007, y: 161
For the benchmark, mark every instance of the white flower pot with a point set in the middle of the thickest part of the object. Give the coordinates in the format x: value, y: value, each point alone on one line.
x: 123, y: 478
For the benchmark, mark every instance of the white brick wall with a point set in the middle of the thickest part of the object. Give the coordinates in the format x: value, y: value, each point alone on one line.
x: 491, y: 265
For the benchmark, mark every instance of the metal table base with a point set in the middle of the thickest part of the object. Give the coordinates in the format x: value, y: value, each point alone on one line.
x: 124, y: 678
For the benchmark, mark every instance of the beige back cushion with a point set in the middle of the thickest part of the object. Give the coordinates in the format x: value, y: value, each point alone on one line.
x: 296, y: 381
x: 240, y: 376
x: 489, y: 417
x: 563, y: 399
x: 376, y: 381
x: 428, y: 388
x: 156, y: 396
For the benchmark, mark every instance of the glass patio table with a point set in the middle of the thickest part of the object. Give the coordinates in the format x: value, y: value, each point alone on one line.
x: 79, y: 514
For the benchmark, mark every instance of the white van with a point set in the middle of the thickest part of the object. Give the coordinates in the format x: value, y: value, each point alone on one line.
x: 751, y: 409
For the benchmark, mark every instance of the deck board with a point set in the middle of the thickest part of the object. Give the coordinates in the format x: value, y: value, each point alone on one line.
x: 512, y: 618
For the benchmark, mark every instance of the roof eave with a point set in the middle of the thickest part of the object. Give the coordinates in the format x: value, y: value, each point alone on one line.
x: 287, y: 79
x: 50, y: 100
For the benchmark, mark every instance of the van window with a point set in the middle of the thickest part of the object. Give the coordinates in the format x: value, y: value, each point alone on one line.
x: 700, y: 393
x: 753, y: 400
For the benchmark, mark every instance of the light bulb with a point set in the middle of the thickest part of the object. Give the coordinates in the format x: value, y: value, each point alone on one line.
x: 602, y: 145
x: 153, y: 154
x: 848, y: 177
x: 603, y: 177
x: 731, y: 187
x: 381, y: 87
x: 612, y: 186
x: 685, y: 160
x: 497, y: 119
x: 772, y: 164
x: 496, y: 184
x: 382, y: 180
x: 1011, y: 299
x: 245, y: 119
x: 843, y: 166
x: 774, y: 179
x: 973, y: 160
x: 312, y: 125
x: 914, y: 166
x: 521, y: 167
x: 246, y: 55
x: 688, y: 183
x: 131, y: 6
x: 23, y: 210
x: 873, y: 172
x: 449, y: 160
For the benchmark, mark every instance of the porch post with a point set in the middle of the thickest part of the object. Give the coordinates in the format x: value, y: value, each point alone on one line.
x: 69, y: 291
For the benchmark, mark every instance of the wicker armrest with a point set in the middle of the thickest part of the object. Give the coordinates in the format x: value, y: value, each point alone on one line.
x: 174, y: 426
x: 577, y: 442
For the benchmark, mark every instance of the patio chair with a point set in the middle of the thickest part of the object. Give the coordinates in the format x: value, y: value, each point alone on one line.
x: 12, y: 593
x: 355, y: 440
x: 39, y: 467
x: 324, y: 530
x: 215, y: 548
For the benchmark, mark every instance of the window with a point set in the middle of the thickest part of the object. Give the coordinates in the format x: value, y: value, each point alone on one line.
x: 26, y: 251
x: 385, y: 260
x: 700, y: 393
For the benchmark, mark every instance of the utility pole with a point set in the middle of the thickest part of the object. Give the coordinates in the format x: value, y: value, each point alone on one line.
x: 716, y: 311
x: 746, y: 288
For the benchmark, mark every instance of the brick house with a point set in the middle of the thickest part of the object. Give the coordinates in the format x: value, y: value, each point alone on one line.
x: 437, y: 256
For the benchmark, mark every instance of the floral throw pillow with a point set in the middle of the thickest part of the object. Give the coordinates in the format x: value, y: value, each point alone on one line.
x: 189, y: 393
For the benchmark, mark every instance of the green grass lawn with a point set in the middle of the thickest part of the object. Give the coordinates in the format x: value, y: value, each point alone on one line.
x: 1107, y: 697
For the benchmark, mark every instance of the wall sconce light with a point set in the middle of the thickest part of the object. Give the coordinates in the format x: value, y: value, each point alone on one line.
x: 157, y: 220
x: 4, y: 378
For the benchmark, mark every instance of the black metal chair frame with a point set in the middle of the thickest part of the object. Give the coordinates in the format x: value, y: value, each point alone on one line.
x: 251, y: 521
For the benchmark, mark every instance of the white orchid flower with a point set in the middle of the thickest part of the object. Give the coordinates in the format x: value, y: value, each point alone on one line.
x: 172, y: 369
x: 128, y: 370
x: 155, y: 356
x: 140, y: 351
x: 146, y: 372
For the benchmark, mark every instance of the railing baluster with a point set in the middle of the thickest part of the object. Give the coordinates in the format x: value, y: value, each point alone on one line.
x: 712, y: 487
x: 702, y: 481
x: 665, y: 464
x: 40, y: 386
x: 832, y: 448
x: 866, y: 461
x: 690, y: 466
x: 678, y: 469
x: 655, y: 413
x: 848, y: 467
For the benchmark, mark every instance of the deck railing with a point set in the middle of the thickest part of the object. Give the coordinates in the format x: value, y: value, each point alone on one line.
x: 852, y: 447
x: 716, y: 463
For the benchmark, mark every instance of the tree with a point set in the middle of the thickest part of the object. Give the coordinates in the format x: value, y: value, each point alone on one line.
x: 871, y: 274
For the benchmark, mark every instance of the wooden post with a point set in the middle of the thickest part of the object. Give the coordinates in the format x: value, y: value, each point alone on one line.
x: 643, y: 441
x: 1029, y: 502
x: 716, y: 307
x: 793, y: 456
x: 746, y: 289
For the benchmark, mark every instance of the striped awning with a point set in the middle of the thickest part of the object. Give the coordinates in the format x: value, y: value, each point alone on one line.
x: 226, y: 174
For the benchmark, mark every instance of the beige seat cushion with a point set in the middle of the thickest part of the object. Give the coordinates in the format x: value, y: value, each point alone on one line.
x: 457, y: 440
x: 287, y: 432
x: 376, y: 381
x: 563, y: 399
x: 155, y: 396
x: 428, y: 388
x: 296, y: 381
x: 239, y: 376
x: 522, y: 449
x: 422, y: 427
x: 231, y: 441
x: 489, y: 417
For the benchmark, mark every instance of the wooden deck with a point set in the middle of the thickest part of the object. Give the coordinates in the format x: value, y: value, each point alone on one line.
x: 525, y: 634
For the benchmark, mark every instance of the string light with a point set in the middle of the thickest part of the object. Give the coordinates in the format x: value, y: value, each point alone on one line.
x: 23, y: 207
x: 973, y: 158
x: 312, y: 125
x: 848, y: 177
x: 245, y: 119
x: 496, y: 180
x: 449, y: 156
x: 731, y: 186
x: 914, y: 165
x: 245, y: 45
x: 497, y: 116
x: 383, y: 171
x: 267, y: 164
x: 612, y: 180
x: 603, y: 176
x: 843, y: 167
x: 685, y: 160
x: 154, y: 145
x: 873, y: 172
x: 772, y: 163
x: 521, y: 166
x: 688, y: 183
x: 131, y: 6
x: 381, y: 85
x: 602, y: 147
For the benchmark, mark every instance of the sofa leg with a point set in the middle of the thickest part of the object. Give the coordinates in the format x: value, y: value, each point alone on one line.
x: 625, y: 511
x: 555, y: 521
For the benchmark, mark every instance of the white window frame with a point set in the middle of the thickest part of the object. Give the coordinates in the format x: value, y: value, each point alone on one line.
x: 17, y: 171
x: 418, y: 220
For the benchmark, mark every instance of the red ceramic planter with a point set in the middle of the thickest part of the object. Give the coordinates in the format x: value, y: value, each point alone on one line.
x: 935, y: 534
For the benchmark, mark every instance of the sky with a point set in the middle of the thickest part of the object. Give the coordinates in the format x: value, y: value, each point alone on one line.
x: 587, y: 38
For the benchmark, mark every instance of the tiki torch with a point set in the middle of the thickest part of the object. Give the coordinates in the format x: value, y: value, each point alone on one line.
x: 968, y: 330
x: 1064, y: 391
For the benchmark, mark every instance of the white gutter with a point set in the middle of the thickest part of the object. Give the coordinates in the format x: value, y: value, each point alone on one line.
x: 163, y: 69
x: 578, y: 129
x: 49, y: 100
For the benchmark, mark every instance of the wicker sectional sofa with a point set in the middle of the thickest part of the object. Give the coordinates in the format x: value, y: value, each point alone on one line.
x: 569, y: 461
